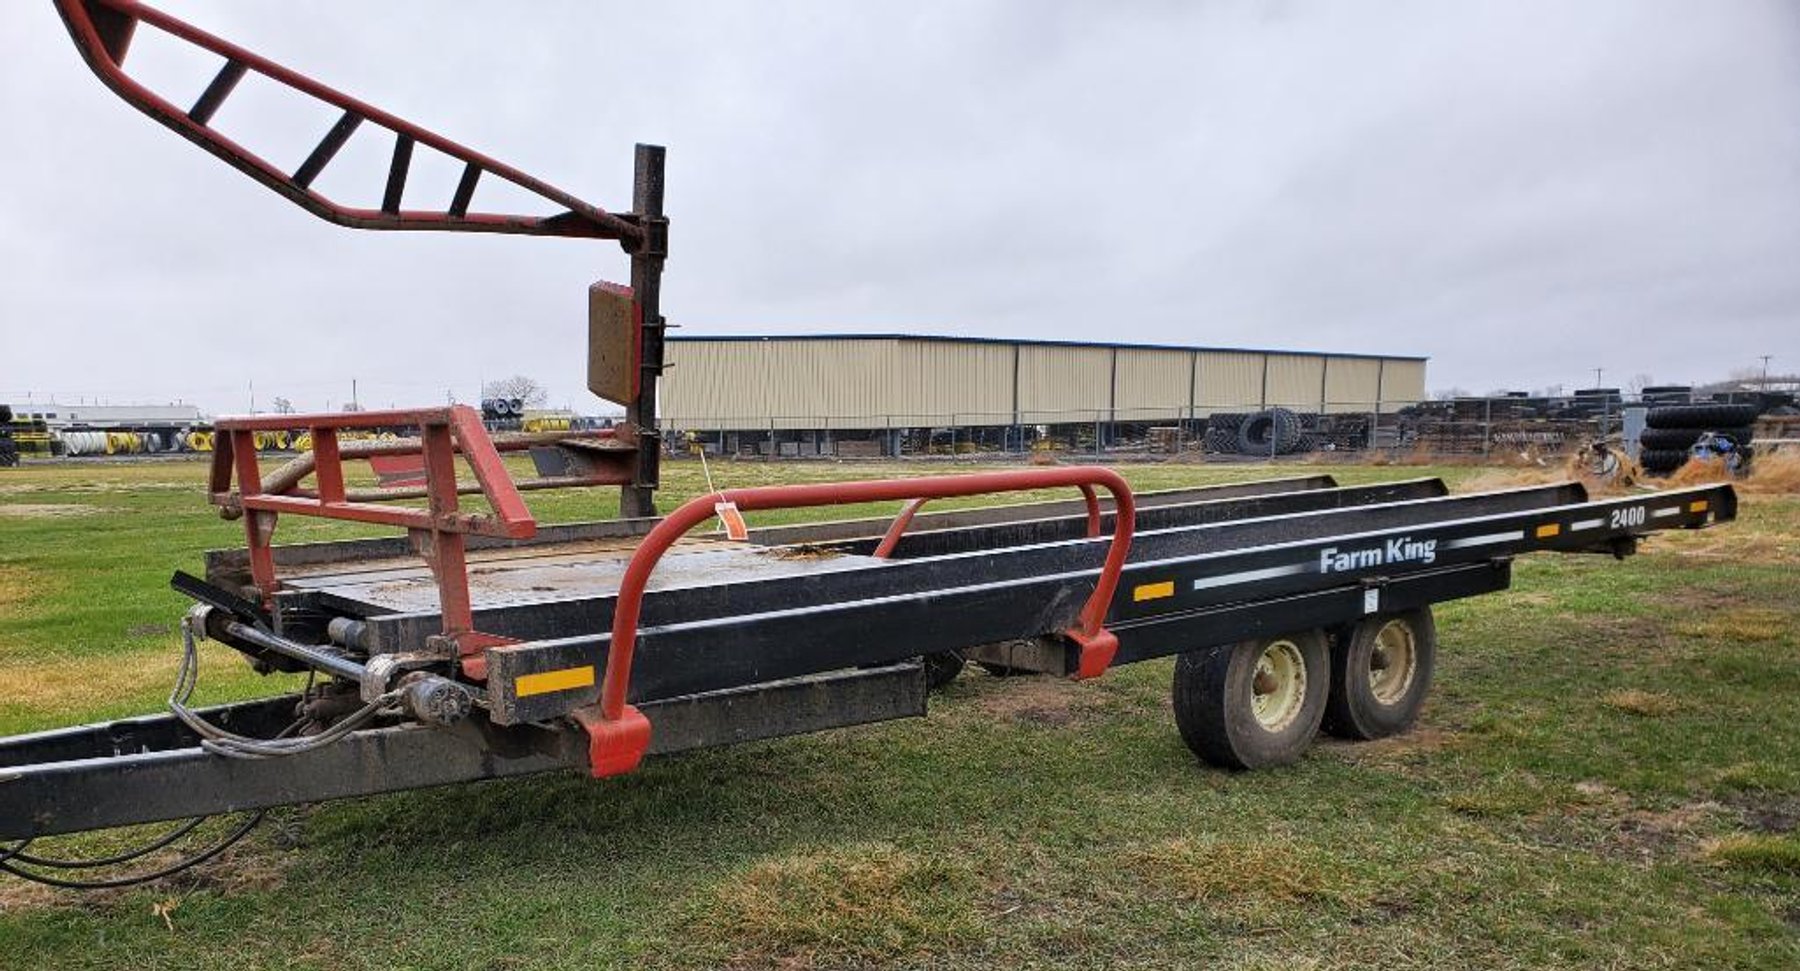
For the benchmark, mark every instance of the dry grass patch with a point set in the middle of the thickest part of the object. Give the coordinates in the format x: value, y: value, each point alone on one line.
x: 17, y: 588
x: 46, y: 510
x: 1393, y: 749
x: 1645, y: 704
x: 856, y: 902
x: 86, y: 683
x: 1744, y: 624
x: 1033, y: 699
x: 1241, y: 876
x: 1757, y: 852
x: 1777, y: 474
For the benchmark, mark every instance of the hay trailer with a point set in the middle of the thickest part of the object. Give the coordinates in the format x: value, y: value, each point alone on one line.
x: 478, y: 645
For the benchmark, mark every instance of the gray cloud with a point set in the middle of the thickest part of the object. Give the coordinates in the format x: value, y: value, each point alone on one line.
x: 1523, y: 191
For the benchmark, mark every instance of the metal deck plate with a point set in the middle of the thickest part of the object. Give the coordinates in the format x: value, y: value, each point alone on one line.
x: 572, y: 576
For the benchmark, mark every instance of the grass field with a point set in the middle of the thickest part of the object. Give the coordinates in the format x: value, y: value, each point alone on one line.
x: 1608, y: 775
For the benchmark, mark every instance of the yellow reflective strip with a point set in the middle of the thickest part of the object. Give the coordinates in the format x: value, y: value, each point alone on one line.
x: 1698, y: 505
x: 1153, y: 591
x: 547, y: 681
x: 1548, y: 530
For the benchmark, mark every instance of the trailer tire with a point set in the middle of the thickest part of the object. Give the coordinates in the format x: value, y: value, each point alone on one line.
x: 1701, y: 416
x: 1223, y: 717
x: 941, y: 668
x: 1380, y: 674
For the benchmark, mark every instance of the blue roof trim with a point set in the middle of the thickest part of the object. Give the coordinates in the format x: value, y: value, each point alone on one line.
x: 1035, y: 342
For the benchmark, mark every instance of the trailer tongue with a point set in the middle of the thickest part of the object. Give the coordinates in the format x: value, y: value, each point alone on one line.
x: 480, y: 646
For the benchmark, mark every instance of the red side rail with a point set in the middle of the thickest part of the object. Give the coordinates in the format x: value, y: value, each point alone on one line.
x: 102, y: 30
x: 891, y: 538
x: 619, y: 734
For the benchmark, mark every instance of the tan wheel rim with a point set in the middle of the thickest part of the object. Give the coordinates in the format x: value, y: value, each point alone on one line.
x: 1278, y: 688
x: 1393, y: 662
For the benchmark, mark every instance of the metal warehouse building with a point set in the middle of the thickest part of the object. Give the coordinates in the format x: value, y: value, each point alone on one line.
x: 844, y: 383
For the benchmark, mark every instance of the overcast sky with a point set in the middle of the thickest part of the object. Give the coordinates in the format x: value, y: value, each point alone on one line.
x: 1521, y: 191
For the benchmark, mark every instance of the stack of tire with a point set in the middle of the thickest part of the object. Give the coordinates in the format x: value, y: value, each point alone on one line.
x: 9, y: 450
x: 1274, y: 431
x: 1221, y: 432
x: 1673, y: 430
x: 503, y: 414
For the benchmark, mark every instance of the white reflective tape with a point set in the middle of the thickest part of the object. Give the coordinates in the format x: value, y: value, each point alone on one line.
x: 1487, y: 539
x: 1669, y: 511
x: 1586, y: 524
x: 1248, y: 576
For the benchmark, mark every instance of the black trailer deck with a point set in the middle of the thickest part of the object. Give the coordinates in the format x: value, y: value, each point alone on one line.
x: 802, y: 628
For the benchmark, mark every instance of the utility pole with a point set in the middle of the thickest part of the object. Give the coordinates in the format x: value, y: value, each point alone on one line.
x: 1597, y: 373
x: 1765, y: 380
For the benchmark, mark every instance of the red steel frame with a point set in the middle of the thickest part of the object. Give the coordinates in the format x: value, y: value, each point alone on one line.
x: 103, y: 29
x: 437, y: 531
x: 891, y: 538
x: 618, y: 734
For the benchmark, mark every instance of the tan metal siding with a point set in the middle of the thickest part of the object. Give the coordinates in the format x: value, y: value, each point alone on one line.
x: 874, y: 383
x: 1296, y: 381
x: 1228, y: 381
x: 1152, y: 385
x: 1063, y: 384
x: 1402, y: 383
x: 939, y: 382
x: 1351, y: 384
x: 714, y: 384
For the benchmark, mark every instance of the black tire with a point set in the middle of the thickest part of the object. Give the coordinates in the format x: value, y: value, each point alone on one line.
x: 941, y: 668
x: 1380, y: 674
x: 9, y: 453
x: 1272, y: 432
x: 1219, y: 440
x: 1684, y: 438
x: 1226, y: 421
x: 1215, y: 697
x: 1701, y: 416
x: 1662, y: 459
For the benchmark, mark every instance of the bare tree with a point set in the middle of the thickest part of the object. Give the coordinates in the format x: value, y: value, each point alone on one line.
x: 283, y: 406
x: 1641, y: 381
x: 518, y: 386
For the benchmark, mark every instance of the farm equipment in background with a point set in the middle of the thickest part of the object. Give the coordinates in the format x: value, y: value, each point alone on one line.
x: 481, y: 645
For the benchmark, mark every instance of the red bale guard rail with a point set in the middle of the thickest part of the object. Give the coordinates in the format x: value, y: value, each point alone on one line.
x: 437, y: 531
x: 618, y: 734
x: 891, y: 539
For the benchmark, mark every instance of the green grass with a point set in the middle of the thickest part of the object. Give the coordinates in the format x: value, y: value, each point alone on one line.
x: 1608, y: 775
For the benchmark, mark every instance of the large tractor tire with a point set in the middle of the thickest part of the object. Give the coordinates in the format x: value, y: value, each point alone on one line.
x: 1701, y: 416
x: 1684, y: 438
x: 1272, y: 432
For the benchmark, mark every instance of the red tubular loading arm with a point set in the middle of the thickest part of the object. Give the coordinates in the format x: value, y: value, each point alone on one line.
x: 619, y: 734
x: 102, y: 30
x: 891, y: 539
